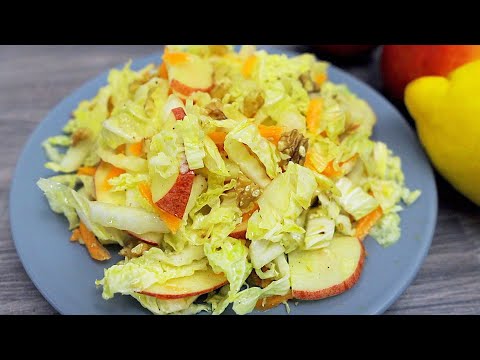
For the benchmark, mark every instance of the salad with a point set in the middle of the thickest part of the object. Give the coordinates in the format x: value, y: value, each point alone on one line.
x: 227, y: 178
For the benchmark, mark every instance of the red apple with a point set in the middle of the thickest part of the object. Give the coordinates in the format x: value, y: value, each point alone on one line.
x: 179, y: 113
x: 201, y: 282
x: 317, y: 274
x: 190, y: 76
x: 240, y: 232
x: 175, y: 201
x: 186, y: 90
x: 403, y: 63
x: 160, y: 186
x: 173, y: 103
x: 153, y: 239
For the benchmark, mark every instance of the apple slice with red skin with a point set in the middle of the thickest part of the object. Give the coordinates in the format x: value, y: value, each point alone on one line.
x: 175, y: 201
x: 186, y: 90
x: 179, y: 113
x: 318, y: 274
x: 201, y: 282
x: 160, y: 186
x: 240, y: 232
x: 170, y: 109
x: 148, y: 238
x: 196, y: 74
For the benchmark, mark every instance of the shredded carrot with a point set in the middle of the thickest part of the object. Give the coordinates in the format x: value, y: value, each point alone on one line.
x: 249, y: 214
x: 120, y: 149
x: 272, y: 301
x: 75, y: 235
x: 87, y: 170
x: 365, y: 224
x: 136, y: 149
x: 248, y: 66
x: 320, y: 79
x: 172, y: 222
x: 218, y: 137
x: 96, y: 250
x: 271, y: 133
x: 314, y: 112
x: 330, y: 171
x: 113, y: 172
x: 162, y: 71
x: 175, y: 58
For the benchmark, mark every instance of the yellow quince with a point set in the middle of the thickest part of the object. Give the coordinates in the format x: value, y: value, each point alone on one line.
x: 447, y: 114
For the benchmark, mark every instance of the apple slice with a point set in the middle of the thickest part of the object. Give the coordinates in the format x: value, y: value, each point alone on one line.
x: 240, y: 232
x: 186, y: 90
x: 198, y: 187
x: 175, y: 201
x: 173, y: 103
x: 149, y: 238
x: 179, y: 113
x: 104, y: 172
x: 317, y: 274
x: 160, y: 186
x: 201, y: 282
x: 190, y: 76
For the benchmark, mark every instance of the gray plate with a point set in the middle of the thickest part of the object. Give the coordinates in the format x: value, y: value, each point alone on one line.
x: 64, y: 273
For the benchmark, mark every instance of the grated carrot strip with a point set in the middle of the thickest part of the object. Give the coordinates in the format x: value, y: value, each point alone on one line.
x: 314, y: 112
x: 136, y: 149
x: 365, y: 224
x: 95, y: 249
x: 162, y: 71
x: 75, y: 235
x: 248, y: 66
x: 320, y: 79
x: 175, y: 58
x: 271, y: 133
x: 86, y: 170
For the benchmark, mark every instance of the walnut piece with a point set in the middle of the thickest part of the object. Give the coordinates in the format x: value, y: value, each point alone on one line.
x: 247, y: 193
x: 308, y: 84
x: 220, y: 90
x: 254, y: 280
x: 134, y: 249
x: 252, y: 103
x: 295, y: 145
x: 214, y: 110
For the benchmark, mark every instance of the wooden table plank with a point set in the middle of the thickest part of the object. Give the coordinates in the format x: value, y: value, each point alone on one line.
x: 33, y: 79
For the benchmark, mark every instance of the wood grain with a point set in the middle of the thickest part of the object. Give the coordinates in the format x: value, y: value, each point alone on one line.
x: 33, y: 79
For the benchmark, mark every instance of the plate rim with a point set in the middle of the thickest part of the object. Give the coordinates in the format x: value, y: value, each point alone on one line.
x: 393, y: 295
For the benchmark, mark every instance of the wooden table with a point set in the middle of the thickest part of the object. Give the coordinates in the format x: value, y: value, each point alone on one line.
x: 33, y: 79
